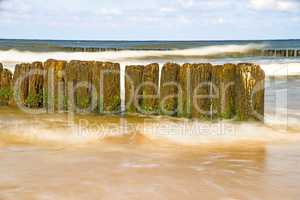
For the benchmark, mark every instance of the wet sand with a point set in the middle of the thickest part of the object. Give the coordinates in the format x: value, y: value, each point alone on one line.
x: 45, y: 157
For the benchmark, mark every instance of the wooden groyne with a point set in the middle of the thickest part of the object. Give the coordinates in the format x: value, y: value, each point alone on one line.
x: 201, y: 91
x: 96, y: 49
x: 281, y: 52
x: 270, y: 52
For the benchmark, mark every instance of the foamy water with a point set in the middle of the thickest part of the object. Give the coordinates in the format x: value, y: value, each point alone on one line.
x: 47, y: 157
x: 27, y: 56
x: 272, y: 66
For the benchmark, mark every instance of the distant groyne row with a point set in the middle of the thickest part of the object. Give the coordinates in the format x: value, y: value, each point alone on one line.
x: 202, y: 91
x: 273, y: 52
x: 282, y: 52
x: 96, y: 49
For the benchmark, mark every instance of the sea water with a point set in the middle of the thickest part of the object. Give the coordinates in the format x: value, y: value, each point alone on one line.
x: 63, y: 156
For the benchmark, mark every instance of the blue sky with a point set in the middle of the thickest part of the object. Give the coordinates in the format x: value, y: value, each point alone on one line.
x: 150, y: 19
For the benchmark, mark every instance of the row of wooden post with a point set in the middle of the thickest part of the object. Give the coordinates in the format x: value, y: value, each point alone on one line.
x: 202, y: 91
x: 282, y: 52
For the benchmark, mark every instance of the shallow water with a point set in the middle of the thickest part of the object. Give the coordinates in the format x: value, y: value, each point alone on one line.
x: 45, y: 157
x: 138, y: 172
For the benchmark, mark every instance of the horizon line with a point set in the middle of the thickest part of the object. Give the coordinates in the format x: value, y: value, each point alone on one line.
x: 151, y: 40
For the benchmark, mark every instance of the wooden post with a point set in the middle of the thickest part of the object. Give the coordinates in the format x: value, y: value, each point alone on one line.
x: 224, y: 91
x: 35, y: 85
x: 79, y: 79
x: 169, y: 87
x: 21, y: 83
x: 291, y: 53
x: 185, y: 93
x: 201, y: 91
x: 249, y: 92
x: 55, y: 85
x: 133, y: 89
x: 110, y: 89
x: 150, y: 103
x: 5, y: 86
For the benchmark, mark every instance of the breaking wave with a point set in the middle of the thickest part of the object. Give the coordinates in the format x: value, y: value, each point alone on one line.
x: 55, y: 129
x: 117, y: 56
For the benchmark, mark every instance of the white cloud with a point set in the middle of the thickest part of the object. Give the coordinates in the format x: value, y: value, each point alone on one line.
x: 186, y: 3
x: 277, y: 5
x: 168, y: 9
x: 183, y: 19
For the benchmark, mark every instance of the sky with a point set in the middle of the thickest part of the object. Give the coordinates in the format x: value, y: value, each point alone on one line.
x: 150, y: 19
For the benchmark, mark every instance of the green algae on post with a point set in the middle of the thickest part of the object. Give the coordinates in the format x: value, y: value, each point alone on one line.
x: 110, y: 91
x: 133, y: 89
x: 150, y: 103
x: 199, y: 91
x: 169, y: 89
x: 249, y: 92
x: 184, y: 98
x: 55, y: 96
x: 5, y: 86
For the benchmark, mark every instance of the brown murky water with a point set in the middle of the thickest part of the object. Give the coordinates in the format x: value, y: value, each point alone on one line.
x: 43, y: 157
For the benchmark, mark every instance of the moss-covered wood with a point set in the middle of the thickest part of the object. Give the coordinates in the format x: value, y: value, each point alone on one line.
x: 291, y: 53
x: 133, y: 88
x: 150, y: 103
x: 21, y: 84
x: 35, y: 85
x: 55, y: 97
x: 79, y: 85
x: 258, y: 97
x: 223, y: 91
x: 110, y: 89
x: 185, y: 91
x: 249, y: 92
x: 96, y: 89
x: 169, y: 89
x: 217, y: 74
x: 5, y: 86
x: 201, y: 91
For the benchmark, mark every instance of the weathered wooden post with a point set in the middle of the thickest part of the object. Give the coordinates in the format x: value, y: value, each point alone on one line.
x: 110, y: 89
x: 96, y: 88
x: 150, y: 103
x: 201, y: 91
x: 273, y: 52
x: 169, y: 89
x: 298, y: 52
x: 55, y: 84
x: 133, y: 89
x: 281, y: 53
x: 5, y: 86
x: 79, y: 78
x: 284, y: 53
x: 21, y: 84
x: 185, y: 92
x: 249, y: 92
x: 223, y: 98
x: 290, y: 53
x: 217, y: 74
x: 35, y: 85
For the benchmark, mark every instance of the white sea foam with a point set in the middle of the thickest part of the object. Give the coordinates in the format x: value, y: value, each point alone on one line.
x: 281, y: 69
x: 272, y: 67
x: 27, y: 56
x: 161, y: 129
